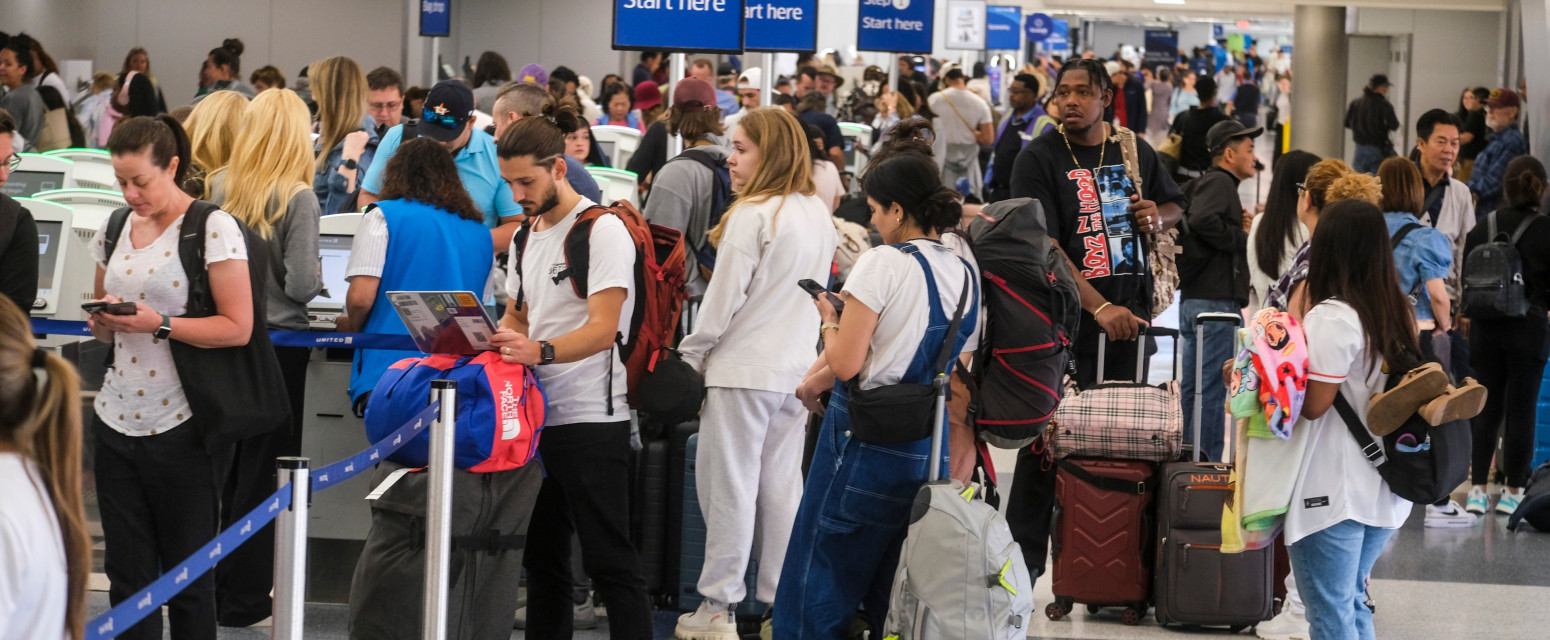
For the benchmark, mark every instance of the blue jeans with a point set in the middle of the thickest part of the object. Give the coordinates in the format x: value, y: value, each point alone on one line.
x: 1368, y: 158
x: 1332, y: 568
x: 849, y: 529
x: 1219, y: 342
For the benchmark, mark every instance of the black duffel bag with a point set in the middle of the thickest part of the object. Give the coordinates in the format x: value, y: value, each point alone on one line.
x: 1421, y: 463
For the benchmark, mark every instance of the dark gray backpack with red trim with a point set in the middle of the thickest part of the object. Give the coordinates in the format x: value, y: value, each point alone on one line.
x: 1032, y: 310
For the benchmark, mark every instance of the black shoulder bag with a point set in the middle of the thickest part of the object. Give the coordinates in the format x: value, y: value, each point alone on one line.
x: 239, y: 391
x: 904, y: 412
x: 1421, y: 463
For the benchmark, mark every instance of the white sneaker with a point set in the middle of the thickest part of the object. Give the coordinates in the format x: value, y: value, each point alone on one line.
x: 1451, y: 516
x: 711, y: 621
x: 1477, y: 502
x: 1508, y: 502
x: 1287, y: 626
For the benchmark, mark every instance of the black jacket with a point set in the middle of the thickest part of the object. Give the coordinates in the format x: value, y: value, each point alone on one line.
x: 1215, y: 264
x: 1135, y: 104
x: 1370, y: 119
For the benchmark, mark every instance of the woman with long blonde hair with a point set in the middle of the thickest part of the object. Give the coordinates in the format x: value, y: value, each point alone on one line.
x: 44, y: 544
x: 753, y: 342
x: 266, y: 186
x: 212, y: 130
x: 347, y: 136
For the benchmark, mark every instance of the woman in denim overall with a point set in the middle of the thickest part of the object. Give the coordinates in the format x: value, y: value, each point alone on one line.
x: 855, y: 506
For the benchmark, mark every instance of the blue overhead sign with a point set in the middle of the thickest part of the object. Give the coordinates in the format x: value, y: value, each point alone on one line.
x: 1217, y: 32
x: 435, y: 18
x: 899, y: 26
x: 1038, y: 27
x: 1001, y: 25
x: 1058, y: 39
x: 680, y: 25
x: 781, y: 25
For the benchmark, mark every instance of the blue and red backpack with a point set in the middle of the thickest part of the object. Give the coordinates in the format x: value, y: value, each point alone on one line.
x: 500, y: 410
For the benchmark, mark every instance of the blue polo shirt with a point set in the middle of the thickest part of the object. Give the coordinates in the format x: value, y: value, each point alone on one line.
x: 476, y: 163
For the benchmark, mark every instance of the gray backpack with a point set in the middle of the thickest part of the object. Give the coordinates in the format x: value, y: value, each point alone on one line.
x: 960, y: 574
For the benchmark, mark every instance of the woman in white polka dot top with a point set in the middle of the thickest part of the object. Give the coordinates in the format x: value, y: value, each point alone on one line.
x: 157, y: 481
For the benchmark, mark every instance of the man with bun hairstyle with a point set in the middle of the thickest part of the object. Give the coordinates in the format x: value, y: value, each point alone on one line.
x: 571, y: 343
x: 1099, y: 218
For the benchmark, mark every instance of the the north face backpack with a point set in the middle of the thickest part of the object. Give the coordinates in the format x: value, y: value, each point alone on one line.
x: 500, y: 410
x: 1493, y: 274
x: 659, y: 284
x: 720, y: 198
x: 1032, y: 313
x: 960, y: 573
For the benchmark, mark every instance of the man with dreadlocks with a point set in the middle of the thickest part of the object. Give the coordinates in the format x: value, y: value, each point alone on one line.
x: 1098, y: 216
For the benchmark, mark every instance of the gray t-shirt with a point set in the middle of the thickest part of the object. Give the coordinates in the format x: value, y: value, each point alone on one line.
x: 24, y: 104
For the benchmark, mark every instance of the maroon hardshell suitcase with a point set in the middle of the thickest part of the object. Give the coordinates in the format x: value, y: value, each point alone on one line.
x: 1102, y: 544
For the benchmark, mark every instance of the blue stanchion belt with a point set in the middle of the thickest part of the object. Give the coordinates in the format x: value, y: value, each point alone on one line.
x: 44, y: 326
x: 150, y: 599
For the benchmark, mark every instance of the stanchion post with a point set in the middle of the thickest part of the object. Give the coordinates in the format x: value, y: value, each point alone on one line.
x: 438, y: 511
x: 767, y: 80
x: 290, y: 550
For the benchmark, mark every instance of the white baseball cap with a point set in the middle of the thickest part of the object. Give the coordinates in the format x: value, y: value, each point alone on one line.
x: 750, y: 79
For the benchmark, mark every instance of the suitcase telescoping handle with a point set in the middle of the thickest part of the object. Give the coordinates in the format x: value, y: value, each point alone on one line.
x: 1155, y: 332
x: 1200, y: 353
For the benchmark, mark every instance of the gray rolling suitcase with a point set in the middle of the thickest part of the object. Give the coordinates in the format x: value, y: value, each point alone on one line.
x: 1197, y: 584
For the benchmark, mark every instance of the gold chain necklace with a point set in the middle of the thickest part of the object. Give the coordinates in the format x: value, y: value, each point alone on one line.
x: 1103, y: 146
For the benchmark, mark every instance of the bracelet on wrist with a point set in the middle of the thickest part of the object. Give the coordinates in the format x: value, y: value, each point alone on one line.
x: 1101, y: 308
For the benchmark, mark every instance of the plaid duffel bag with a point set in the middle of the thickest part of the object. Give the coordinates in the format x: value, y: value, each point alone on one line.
x: 1121, y: 420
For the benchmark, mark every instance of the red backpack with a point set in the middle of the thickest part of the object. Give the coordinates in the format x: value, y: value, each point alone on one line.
x: 659, y: 284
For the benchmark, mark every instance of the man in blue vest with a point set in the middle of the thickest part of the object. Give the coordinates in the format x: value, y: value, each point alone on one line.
x: 1026, y: 120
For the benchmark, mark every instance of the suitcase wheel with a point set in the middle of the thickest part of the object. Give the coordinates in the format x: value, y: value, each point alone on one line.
x: 1059, y: 608
x: 1093, y: 609
x: 1132, y: 616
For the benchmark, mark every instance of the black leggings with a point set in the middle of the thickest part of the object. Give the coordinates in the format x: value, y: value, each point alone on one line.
x: 1508, y: 356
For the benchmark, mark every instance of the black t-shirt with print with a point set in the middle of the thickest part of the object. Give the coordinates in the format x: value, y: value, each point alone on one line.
x: 1087, y: 208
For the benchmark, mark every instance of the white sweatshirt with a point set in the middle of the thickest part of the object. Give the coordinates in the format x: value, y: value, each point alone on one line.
x: 756, y: 328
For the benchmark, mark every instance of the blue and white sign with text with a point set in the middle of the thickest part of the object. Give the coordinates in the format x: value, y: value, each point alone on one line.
x: 435, y: 18
x: 1038, y: 27
x: 1058, y: 39
x: 781, y: 25
x: 900, y: 26
x: 680, y: 25
x: 1001, y: 26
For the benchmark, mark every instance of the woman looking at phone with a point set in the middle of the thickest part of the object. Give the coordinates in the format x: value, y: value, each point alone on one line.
x: 753, y: 340
x: 899, y: 301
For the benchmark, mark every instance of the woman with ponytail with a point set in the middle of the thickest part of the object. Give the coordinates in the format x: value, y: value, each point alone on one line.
x: 1509, y: 354
x: 899, y: 302
x: 753, y: 341
x: 45, y: 550
x: 157, y: 480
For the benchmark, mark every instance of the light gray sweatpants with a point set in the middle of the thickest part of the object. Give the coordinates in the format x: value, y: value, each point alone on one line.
x: 748, y: 472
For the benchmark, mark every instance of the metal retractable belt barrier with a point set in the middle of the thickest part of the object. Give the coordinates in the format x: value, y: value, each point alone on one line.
x: 288, y: 504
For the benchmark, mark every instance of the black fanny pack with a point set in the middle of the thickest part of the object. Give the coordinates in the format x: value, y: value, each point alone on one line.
x: 905, y: 412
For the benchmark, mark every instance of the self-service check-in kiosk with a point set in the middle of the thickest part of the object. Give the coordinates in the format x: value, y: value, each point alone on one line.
x: 93, y: 168
x: 38, y: 172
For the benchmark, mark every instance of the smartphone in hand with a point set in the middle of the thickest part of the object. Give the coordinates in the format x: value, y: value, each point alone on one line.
x: 814, y: 289
x: 110, y: 308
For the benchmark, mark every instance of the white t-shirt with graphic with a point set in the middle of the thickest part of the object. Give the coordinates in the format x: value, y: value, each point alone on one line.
x: 142, y: 395
x: 1335, y: 482
x: 578, y: 391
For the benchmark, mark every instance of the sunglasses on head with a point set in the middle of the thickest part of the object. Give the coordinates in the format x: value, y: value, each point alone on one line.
x: 448, y: 119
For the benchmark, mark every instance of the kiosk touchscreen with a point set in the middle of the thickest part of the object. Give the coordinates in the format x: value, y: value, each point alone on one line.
x: 336, y: 236
x: 93, y: 167
x: 618, y: 143
x: 38, y: 173
x: 858, y: 139
x: 53, y: 246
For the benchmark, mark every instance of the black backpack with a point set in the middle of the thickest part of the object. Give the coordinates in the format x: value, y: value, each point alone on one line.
x: 1421, y: 463
x: 1535, y: 507
x: 1493, y: 274
x: 1032, y: 310
x: 720, y: 197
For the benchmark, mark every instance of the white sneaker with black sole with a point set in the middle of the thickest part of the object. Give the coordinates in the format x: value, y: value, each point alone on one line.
x: 712, y: 621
